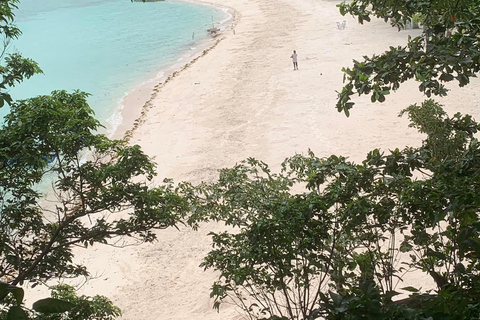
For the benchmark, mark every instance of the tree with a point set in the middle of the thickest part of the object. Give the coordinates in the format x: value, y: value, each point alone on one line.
x: 99, y: 187
x: 64, y: 304
x: 435, y: 57
x: 99, y: 194
x: 15, y: 68
x: 97, y: 190
x: 278, y: 261
x: 88, y: 308
x: 380, y: 210
x: 324, y: 237
x: 11, y: 307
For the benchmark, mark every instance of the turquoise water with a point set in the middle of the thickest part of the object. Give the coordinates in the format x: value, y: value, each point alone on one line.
x: 105, y: 47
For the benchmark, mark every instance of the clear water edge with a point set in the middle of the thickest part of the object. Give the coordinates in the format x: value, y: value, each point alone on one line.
x: 153, y: 72
x: 117, y: 125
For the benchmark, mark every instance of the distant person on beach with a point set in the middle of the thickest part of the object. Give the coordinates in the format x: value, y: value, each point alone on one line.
x: 295, y: 61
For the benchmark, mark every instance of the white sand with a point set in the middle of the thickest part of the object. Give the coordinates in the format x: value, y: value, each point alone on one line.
x: 244, y: 99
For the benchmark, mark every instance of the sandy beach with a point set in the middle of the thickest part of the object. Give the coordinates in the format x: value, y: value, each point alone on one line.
x: 243, y: 99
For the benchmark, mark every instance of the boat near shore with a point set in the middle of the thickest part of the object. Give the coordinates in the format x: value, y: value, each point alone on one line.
x: 213, y: 31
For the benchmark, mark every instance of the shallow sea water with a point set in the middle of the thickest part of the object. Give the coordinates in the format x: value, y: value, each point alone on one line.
x: 105, y: 47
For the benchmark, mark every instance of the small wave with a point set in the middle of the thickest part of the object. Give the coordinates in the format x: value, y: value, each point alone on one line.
x: 229, y: 16
x: 116, y: 119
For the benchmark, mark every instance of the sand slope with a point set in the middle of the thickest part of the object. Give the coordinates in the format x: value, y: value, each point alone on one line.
x: 244, y: 99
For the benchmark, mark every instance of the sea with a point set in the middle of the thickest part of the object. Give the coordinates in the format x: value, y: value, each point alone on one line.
x: 106, y: 48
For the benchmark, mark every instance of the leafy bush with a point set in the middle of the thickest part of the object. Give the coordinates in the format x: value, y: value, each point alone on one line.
x: 323, y: 237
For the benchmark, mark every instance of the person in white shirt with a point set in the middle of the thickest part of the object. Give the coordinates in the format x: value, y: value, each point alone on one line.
x: 295, y: 61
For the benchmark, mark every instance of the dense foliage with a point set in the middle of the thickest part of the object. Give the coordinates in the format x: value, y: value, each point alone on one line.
x: 84, y: 307
x: 99, y: 189
x: 321, y: 239
x: 13, y: 68
x: 12, y: 306
x: 325, y: 236
x: 328, y: 238
x: 63, y: 185
x: 94, y: 181
x: 447, y: 50
x: 64, y: 304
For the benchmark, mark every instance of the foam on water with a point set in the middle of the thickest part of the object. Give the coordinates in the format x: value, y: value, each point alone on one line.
x: 106, y: 48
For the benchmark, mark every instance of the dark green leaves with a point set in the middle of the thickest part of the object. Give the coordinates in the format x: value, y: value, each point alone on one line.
x: 410, y: 289
x: 283, y: 240
x: 332, y: 224
x: 53, y: 140
x: 45, y: 306
x: 51, y: 305
x: 64, y: 297
x: 14, y: 68
x: 16, y: 313
x: 446, y: 77
x: 447, y: 50
x: 16, y: 292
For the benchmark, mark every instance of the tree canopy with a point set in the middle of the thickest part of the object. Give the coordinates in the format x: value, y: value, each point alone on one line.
x: 323, y: 238
x: 14, y: 68
x: 94, y: 180
x: 331, y: 239
x: 99, y: 189
x: 64, y: 185
x: 328, y: 238
x: 447, y: 50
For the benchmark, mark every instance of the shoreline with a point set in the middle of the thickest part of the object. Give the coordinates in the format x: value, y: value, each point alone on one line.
x: 243, y: 100
x: 134, y: 106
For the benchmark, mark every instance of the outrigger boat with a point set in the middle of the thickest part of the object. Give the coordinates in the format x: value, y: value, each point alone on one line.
x: 213, y: 31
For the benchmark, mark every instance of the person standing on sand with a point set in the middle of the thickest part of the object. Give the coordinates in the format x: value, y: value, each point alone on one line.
x: 295, y: 61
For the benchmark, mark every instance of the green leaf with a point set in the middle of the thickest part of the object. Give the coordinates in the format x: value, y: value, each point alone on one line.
x: 51, y: 305
x: 381, y: 97
x: 459, y: 268
x: 405, y: 246
x: 352, y: 265
x: 7, y: 98
x: 337, y: 299
x: 390, y: 294
x: 410, y: 289
x: 436, y: 254
x: 17, y: 292
x: 446, y: 77
x: 16, y: 313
